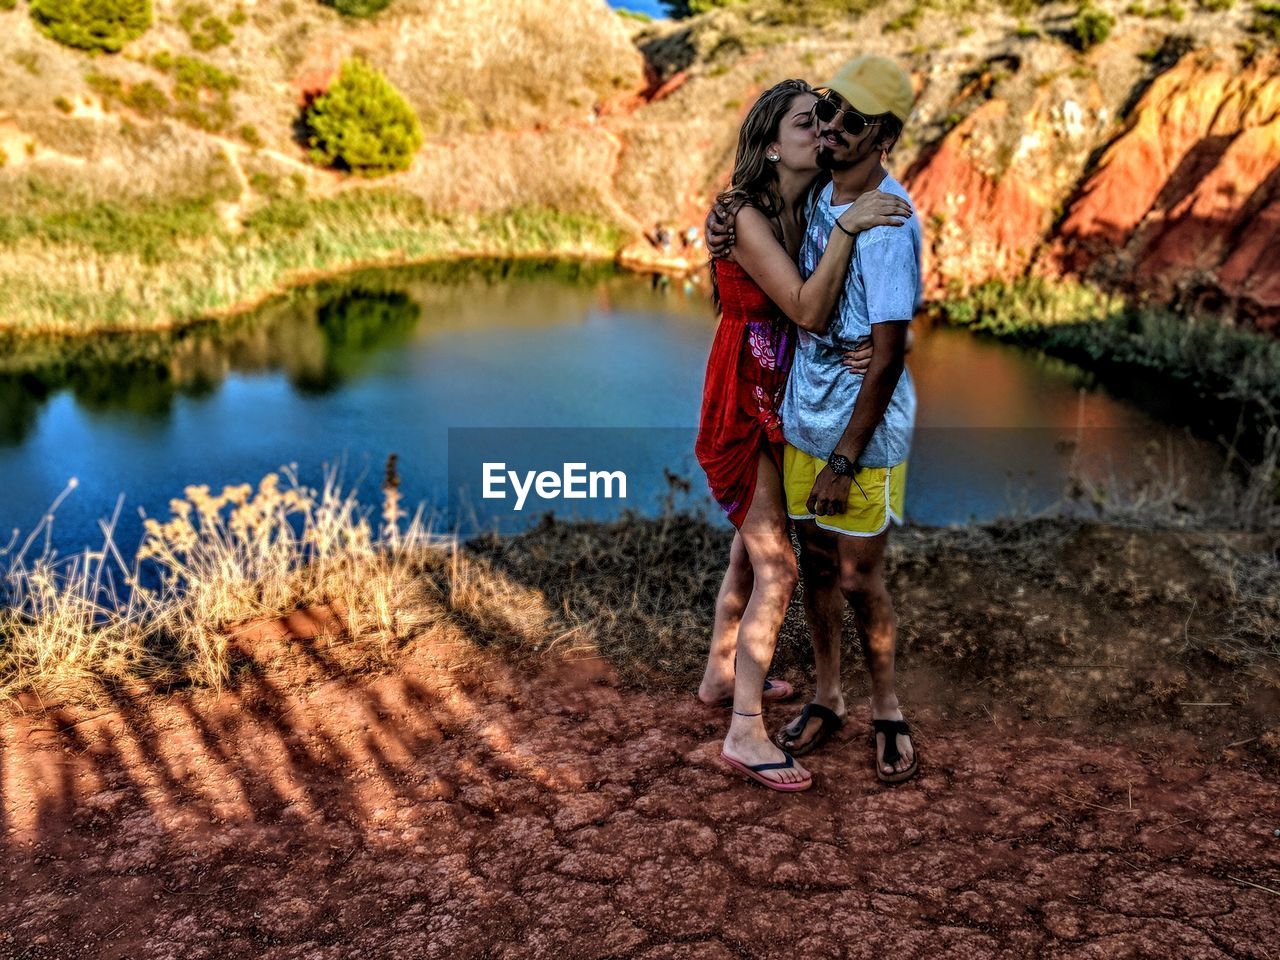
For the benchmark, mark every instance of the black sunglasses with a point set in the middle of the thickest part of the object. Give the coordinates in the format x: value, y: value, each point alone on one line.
x: 852, y: 122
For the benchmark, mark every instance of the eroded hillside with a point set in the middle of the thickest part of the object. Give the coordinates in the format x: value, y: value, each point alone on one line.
x: 1147, y: 161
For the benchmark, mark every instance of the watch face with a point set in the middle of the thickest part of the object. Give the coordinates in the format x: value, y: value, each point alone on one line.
x: 840, y: 465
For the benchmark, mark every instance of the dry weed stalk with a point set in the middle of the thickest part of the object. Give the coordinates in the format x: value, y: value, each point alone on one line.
x: 219, y: 561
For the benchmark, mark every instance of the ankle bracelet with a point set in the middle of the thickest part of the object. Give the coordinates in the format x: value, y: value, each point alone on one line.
x: 741, y: 714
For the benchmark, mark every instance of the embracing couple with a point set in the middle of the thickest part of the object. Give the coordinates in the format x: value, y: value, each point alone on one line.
x: 808, y: 409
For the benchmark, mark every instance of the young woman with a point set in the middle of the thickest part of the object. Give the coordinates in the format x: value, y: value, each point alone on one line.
x: 760, y: 294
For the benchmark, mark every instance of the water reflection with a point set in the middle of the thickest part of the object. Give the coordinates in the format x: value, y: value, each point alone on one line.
x: 349, y: 370
x: 320, y: 337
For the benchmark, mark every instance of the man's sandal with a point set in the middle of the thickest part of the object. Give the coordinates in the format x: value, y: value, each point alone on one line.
x: 831, y: 722
x: 754, y: 772
x: 891, y: 729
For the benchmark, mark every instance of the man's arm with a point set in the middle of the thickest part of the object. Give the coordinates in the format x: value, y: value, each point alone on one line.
x: 830, y: 493
x: 808, y: 303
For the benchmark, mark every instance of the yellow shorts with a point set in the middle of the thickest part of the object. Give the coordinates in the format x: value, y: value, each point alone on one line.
x: 884, y: 491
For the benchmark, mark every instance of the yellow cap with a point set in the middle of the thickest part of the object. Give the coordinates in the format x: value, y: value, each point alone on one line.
x: 874, y: 85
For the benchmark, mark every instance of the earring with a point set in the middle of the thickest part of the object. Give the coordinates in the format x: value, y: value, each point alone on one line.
x: 772, y: 157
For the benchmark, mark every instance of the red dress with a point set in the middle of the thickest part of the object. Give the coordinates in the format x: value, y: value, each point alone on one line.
x: 746, y: 376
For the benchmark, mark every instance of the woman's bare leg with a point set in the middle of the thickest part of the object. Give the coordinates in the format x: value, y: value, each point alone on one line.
x: 773, y: 565
x: 731, y: 603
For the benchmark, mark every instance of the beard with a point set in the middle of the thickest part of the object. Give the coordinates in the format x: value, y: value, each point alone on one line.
x: 827, y: 160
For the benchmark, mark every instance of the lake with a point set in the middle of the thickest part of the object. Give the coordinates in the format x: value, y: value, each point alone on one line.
x: 528, y: 364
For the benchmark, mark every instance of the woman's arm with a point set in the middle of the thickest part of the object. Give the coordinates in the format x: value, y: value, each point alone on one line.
x: 809, y: 303
x: 858, y: 358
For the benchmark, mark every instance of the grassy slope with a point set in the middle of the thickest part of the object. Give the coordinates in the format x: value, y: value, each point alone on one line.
x: 157, y: 264
x: 126, y: 211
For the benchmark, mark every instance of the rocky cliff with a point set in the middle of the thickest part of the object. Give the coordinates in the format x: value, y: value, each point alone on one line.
x: 1185, y: 202
x: 1149, y: 162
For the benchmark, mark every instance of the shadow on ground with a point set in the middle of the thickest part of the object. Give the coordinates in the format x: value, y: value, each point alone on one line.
x: 470, y: 804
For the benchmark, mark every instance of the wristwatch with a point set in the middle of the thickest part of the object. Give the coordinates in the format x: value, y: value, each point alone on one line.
x: 840, y: 465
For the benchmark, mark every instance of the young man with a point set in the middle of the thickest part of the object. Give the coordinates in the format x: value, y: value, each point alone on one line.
x: 844, y: 468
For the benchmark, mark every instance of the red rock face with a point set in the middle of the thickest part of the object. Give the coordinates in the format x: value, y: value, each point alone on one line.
x: 979, y: 225
x: 1186, y: 203
x: 989, y: 189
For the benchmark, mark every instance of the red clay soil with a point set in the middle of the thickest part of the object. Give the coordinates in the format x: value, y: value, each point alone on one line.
x: 459, y: 808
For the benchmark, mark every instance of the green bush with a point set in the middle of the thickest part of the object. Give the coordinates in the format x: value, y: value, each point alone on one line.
x: 1090, y: 27
x: 362, y: 123
x: 92, y: 24
x: 1022, y: 8
x: 1266, y: 20
x: 107, y: 87
x: 8, y: 4
x: 203, y: 93
x: 358, y: 8
x: 1172, y: 10
x: 203, y: 28
x: 147, y: 99
x: 909, y: 19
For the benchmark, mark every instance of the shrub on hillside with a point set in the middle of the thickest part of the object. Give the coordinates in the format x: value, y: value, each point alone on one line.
x: 92, y: 24
x: 1266, y: 20
x: 8, y: 4
x: 205, y: 29
x: 1091, y: 26
x: 362, y: 123
x: 358, y: 8
x: 680, y: 9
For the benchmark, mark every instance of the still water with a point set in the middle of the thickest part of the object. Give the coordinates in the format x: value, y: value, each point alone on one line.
x: 343, y: 373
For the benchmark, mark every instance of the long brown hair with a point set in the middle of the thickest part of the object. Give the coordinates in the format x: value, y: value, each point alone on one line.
x: 755, y: 179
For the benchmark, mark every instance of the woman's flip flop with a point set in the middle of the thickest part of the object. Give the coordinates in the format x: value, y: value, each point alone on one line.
x: 753, y: 772
x: 891, y: 729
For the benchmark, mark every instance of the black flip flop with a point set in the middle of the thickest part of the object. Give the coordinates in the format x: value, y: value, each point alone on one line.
x: 831, y: 722
x: 891, y: 729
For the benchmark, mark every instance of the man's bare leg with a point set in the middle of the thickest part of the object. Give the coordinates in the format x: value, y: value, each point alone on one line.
x: 862, y: 584
x: 824, y: 611
x: 731, y: 603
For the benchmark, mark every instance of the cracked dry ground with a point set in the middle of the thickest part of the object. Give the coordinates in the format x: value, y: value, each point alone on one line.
x: 439, y: 812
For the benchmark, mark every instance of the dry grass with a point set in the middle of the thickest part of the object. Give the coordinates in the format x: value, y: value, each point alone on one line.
x: 513, y: 64
x: 225, y: 564
x: 220, y: 561
x: 1245, y: 497
x: 464, y: 65
x: 638, y: 591
x: 113, y: 266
